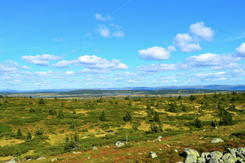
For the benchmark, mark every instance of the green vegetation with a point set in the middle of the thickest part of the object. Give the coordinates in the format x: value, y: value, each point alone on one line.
x: 52, y: 126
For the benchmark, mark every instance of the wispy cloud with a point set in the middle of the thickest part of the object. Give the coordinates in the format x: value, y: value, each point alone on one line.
x: 42, y: 60
x: 101, y: 17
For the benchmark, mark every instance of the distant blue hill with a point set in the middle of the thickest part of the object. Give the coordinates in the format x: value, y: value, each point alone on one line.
x: 210, y: 87
x: 199, y: 87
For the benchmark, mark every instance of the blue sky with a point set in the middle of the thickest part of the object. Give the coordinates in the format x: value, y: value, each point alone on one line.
x: 58, y: 44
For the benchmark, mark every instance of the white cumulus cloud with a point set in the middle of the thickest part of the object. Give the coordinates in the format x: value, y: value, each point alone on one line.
x: 155, y: 53
x: 186, y: 43
x: 93, y: 62
x: 202, y: 31
x: 241, y: 50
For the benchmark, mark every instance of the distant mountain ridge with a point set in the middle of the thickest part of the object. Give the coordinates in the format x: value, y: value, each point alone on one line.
x: 210, y: 87
x: 201, y: 87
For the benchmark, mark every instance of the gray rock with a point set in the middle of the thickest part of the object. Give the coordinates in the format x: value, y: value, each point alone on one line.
x: 190, y: 151
x: 227, y: 156
x: 217, y: 140
x: 41, y: 158
x: 241, y: 152
x: 191, y: 158
x: 230, y: 160
x: 232, y: 151
x: 201, y: 160
x: 119, y: 144
x: 240, y: 160
x: 216, y: 155
x: 159, y: 138
x: 152, y: 155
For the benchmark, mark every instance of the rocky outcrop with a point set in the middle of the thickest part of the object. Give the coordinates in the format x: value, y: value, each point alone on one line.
x: 235, y: 155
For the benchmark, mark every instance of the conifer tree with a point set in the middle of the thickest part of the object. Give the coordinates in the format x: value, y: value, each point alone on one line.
x: 102, y: 116
x: 127, y: 117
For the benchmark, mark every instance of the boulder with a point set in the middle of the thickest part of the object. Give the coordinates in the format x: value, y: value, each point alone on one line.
x: 241, y: 152
x: 159, y: 138
x: 190, y: 151
x: 152, y: 155
x: 119, y: 144
x: 227, y: 155
x: 230, y: 160
x: 232, y: 151
x: 201, y: 160
x: 191, y: 159
x: 217, y: 140
x: 216, y: 155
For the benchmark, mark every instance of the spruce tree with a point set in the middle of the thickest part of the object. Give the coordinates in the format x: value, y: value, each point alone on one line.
x: 41, y: 101
x: 198, y: 123
x: 102, y: 116
x: 19, y: 133
x: 127, y: 117
x: 29, y: 136
x: 156, y: 117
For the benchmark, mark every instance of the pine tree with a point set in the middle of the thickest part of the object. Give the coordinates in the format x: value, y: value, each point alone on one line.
x: 102, y: 116
x: 76, y: 138
x: 39, y: 132
x: 156, y: 117
x: 61, y: 115
x: 225, y: 117
x: 41, y: 101
x: 127, y: 117
x: 19, y: 133
x: 198, y: 123
x: 29, y: 136
x: 192, y: 98
x: 156, y: 128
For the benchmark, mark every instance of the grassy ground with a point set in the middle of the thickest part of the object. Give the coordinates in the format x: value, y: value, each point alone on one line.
x: 58, y: 127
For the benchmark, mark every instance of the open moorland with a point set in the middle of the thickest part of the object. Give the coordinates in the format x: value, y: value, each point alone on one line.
x: 86, y: 130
